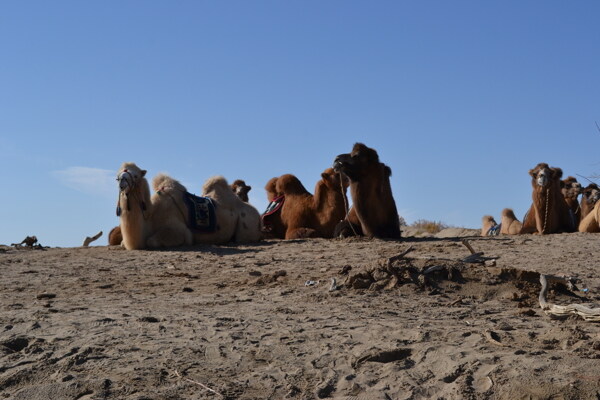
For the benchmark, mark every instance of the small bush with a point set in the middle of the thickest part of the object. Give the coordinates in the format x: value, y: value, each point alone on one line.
x: 432, y: 227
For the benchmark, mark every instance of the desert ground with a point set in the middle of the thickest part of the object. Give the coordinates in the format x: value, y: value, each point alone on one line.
x: 264, y: 321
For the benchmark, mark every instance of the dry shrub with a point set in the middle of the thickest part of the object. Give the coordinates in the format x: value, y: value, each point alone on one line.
x: 432, y: 227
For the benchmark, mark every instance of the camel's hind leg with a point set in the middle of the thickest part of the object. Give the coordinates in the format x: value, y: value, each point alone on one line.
x: 171, y: 236
x: 301, y: 233
x: 248, y: 228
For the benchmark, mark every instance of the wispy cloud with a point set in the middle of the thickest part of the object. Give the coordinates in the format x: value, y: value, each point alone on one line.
x: 94, y: 181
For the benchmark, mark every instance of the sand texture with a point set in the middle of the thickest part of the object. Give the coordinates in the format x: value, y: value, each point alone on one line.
x: 263, y: 321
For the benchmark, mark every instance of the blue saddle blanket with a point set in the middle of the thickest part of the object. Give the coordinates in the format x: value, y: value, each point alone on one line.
x: 202, y: 213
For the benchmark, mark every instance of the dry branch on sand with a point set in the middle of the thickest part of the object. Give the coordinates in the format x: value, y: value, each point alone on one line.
x: 558, y: 311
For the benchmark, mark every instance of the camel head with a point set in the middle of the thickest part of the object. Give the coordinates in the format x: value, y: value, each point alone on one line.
x: 334, y: 180
x: 591, y: 194
x: 271, y: 189
x: 128, y: 177
x: 357, y: 163
x: 543, y: 175
x: 241, y: 190
x: 571, y: 188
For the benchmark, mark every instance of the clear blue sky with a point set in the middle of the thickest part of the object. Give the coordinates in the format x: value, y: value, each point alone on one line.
x: 460, y: 98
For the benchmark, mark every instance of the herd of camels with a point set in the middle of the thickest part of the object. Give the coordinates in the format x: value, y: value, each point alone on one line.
x: 555, y: 207
x: 173, y: 217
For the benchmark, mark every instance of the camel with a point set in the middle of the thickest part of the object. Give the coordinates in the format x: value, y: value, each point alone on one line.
x: 134, y: 206
x: 271, y: 188
x: 273, y: 226
x: 589, y: 198
x: 114, y: 236
x: 590, y: 209
x: 488, y: 226
x: 374, y: 212
x: 509, y: 224
x: 165, y: 220
x: 240, y: 188
x: 549, y: 212
x: 305, y: 215
x: 571, y: 189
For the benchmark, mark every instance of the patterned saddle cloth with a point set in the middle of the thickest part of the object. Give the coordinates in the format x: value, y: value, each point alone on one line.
x: 202, y: 213
x: 494, y: 230
x: 272, y: 208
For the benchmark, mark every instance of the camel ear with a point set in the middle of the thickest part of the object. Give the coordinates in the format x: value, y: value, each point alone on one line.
x: 144, y: 172
x: 531, y: 172
x: 557, y: 173
x: 325, y: 176
x: 249, y: 188
x: 387, y: 171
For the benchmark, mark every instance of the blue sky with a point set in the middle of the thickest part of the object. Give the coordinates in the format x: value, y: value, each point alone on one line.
x: 460, y: 99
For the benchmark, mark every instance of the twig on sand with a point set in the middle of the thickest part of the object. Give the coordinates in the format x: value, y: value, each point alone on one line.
x: 475, y: 257
x: 556, y: 311
x: 391, y: 260
x: 89, y: 240
x: 203, y: 386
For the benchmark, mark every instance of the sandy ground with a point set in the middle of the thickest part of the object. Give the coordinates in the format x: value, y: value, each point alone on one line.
x: 260, y: 321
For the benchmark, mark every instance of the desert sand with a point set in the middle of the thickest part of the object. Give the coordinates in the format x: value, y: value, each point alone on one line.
x: 263, y: 321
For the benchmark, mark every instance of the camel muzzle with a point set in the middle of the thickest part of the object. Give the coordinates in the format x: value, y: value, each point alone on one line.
x: 339, y: 162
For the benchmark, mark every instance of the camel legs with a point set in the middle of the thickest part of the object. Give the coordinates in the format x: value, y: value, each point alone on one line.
x: 171, y: 235
x: 300, y: 233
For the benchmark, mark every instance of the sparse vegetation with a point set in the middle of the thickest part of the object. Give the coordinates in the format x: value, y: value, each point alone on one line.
x: 432, y: 227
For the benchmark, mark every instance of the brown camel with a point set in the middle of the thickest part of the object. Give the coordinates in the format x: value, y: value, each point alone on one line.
x: 305, y: 215
x: 374, y: 212
x: 571, y: 189
x: 240, y: 188
x: 549, y: 212
x: 115, y: 237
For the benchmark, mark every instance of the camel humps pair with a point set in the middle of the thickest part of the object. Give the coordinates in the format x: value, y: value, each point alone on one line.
x: 554, y: 208
x: 162, y: 219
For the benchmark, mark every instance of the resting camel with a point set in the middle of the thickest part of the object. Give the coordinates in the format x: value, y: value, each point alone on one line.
x: 589, y: 198
x: 240, y: 188
x: 571, y: 189
x: 305, y: 215
x: 115, y: 237
x: 509, y: 224
x: 488, y: 223
x: 374, y: 212
x: 590, y: 209
x: 165, y: 220
x: 549, y: 212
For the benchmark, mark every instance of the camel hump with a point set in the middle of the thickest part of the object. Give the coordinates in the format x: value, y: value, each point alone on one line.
x: 290, y: 184
x: 508, y: 213
x: 215, y: 183
x: 164, y: 183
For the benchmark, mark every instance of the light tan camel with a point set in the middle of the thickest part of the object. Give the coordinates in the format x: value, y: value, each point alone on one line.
x: 163, y: 220
x: 134, y: 207
x: 591, y: 222
x: 510, y: 225
x: 487, y: 223
x: 590, y: 209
